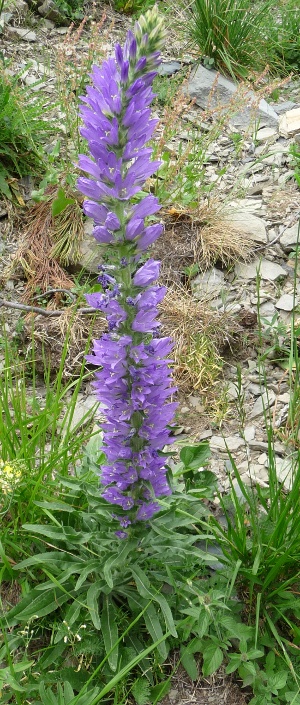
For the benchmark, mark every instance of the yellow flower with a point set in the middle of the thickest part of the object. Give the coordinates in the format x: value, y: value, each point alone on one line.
x: 10, y: 474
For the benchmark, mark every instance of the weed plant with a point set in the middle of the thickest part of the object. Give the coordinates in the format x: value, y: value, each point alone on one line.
x: 133, y: 7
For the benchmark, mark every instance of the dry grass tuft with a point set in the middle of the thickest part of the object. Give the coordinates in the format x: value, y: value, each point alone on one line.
x: 49, y: 339
x: 200, y: 336
x: 202, y: 236
x: 46, y: 244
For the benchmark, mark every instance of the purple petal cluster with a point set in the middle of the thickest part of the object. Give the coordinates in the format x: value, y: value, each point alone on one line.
x: 133, y: 381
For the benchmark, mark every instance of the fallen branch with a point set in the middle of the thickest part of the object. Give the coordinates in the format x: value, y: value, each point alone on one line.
x: 43, y: 311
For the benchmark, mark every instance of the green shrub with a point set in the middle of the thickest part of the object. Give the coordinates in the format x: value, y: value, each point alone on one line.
x: 21, y: 131
x: 232, y: 33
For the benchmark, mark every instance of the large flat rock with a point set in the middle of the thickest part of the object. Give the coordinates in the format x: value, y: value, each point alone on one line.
x: 263, y: 268
x: 248, y: 224
x: 210, y: 89
x: 290, y: 238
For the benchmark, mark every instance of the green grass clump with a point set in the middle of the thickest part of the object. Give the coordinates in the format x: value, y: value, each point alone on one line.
x: 286, y: 36
x: 232, y: 33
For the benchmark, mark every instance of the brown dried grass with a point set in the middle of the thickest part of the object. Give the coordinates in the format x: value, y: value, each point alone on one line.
x: 46, y: 243
x: 50, y: 339
x: 202, y: 236
x: 200, y: 335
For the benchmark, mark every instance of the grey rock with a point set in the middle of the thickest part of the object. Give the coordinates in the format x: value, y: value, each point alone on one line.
x: 210, y: 283
x: 61, y: 30
x: 281, y: 108
x: 167, y: 68
x: 286, y: 302
x: 50, y: 10
x: 204, y: 435
x: 286, y: 176
x: 263, y: 446
x: 5, y: 18
x: 260, y: 267
x: 262, y: 404
x: 267, y: 311
x: 254, y: 389
x: 83, y: 407
x: 285, y: 470
x: 249, y: 433
x: 249, y: 225
x: 200, y: 87
x: 259, y: 474
x: 266, y: 134
x: 196, y: 403
x: 284, y: 398
x: 232, y: 443
x: 232, y: 391
x: 26, y: 34
x: 20, y: 5
x: 290, y: 238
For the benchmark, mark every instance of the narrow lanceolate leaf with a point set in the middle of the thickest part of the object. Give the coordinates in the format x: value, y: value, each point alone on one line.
x: 38, y: 606
x: 189, y: 663
x: 110, y: 632
x: 154, y: 628
x: 144, y: 589
x: 91, y: 567
x: 92, y: 600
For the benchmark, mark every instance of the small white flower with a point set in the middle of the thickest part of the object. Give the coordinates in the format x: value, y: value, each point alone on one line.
x: 65, y: 639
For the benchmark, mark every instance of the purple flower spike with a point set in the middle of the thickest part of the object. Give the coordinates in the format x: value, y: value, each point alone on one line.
x: 133, y: 379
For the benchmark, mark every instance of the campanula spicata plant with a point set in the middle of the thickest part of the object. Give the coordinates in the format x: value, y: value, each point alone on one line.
x: 133, y: 384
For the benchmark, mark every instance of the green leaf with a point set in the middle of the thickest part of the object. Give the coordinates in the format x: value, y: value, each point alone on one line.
x: 203, y: 623
x: 143, y: 587
x: 60, y: 533
x: 91, y: 567
x: 154, y: 628
x: 188, y: 662
x: 51, y: 654
x: 159, y: 691
x: 236, y: 629
x: 60, y: 202
x: 37, y: 605
x: 57, y: 505
x: 110, y: 631
x: 196, y: 456
x: 292, y: 696
x: 4, y: 187
x: 253, y: 654
x: 92, y: 600
x: 277, y: 681
x: 212, y: 659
